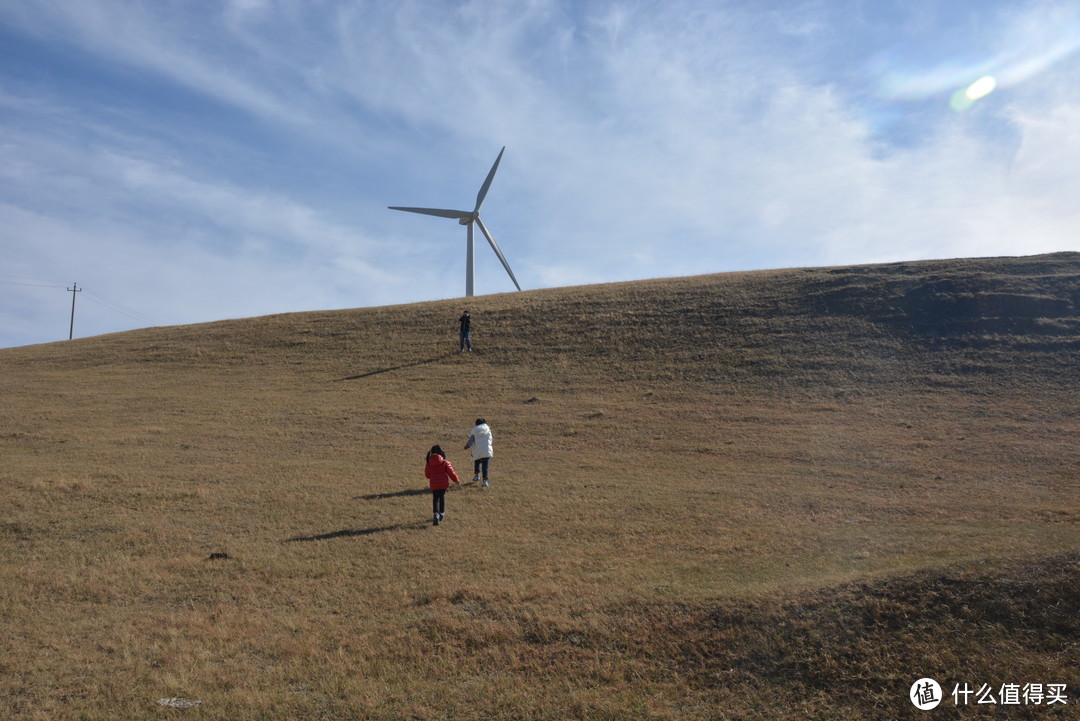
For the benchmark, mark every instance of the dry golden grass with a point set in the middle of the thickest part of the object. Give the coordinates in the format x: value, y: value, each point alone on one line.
x: 782, y: 494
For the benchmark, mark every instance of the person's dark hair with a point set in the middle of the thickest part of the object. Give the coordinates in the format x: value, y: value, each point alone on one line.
x: 435, y: 450
x: 480, y: 421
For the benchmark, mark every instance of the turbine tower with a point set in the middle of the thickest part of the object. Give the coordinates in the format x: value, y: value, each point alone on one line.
x: 467, y: 218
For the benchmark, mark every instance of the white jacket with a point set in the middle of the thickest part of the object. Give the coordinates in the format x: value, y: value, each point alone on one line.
x: 480, y: 442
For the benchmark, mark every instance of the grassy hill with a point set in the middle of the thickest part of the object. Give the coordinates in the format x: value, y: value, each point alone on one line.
x: 769, y: 495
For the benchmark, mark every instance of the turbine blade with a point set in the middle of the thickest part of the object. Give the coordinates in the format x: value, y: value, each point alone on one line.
x: 457, y: 214
x: 495, y: 247
x: 487, y: 183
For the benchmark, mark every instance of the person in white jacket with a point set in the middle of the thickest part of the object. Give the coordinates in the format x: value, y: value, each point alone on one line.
x: 480, y: 443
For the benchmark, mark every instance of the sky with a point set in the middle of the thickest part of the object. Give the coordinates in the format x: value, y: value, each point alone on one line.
x: 185, y: 161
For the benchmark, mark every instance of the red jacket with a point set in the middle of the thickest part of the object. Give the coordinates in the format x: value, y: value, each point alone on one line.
x: 439, y: 472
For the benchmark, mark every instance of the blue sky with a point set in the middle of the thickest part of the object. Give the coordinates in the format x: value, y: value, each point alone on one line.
x: 195, y: 161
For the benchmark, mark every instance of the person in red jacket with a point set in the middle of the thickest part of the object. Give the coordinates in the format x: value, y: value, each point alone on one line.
x: 439, y: 473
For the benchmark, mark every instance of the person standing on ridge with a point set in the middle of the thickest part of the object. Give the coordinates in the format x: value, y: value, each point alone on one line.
x: 439, y: 473
x: 480, y: 443
x: 465, y: 336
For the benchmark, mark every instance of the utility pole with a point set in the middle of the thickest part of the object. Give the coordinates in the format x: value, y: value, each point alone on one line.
x: 73, y: 290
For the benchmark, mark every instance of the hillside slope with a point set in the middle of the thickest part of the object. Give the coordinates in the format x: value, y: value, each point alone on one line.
x: 819, y: 457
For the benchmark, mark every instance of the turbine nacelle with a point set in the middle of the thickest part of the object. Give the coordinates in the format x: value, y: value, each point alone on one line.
x: 466, y: 218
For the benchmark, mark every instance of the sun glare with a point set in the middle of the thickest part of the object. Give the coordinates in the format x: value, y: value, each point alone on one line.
x: 966, y: 97
x: 981, y: 88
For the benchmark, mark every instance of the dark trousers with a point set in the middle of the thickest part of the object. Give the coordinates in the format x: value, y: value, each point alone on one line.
x: 438, y: 500
x: 466, y: 340
x: 481, y: 463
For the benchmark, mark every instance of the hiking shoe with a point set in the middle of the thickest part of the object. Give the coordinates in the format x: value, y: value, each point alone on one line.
x: 485, y: 483
x: 476, y: 477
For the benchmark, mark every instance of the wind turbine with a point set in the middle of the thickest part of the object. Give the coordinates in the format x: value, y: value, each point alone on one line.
x: 467, y: 218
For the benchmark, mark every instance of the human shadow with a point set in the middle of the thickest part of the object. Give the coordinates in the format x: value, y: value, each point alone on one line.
x: 350, y: 532
x: 410, y: 492
x: 395, y: 368
x: 395, y: 494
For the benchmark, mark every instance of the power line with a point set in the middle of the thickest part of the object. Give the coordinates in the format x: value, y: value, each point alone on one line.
x: 98, y: 298
x: 31, y: 285
x: 120, y: 307
x: 45, y: 283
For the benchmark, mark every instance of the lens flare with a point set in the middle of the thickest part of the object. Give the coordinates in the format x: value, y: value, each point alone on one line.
x: 965, y: 97
x: 981, y: 87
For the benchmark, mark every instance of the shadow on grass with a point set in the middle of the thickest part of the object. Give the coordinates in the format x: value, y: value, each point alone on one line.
x: 350, y: 532
x: 395, y: 494
x: 396, y: 368
x: 409, y: 492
